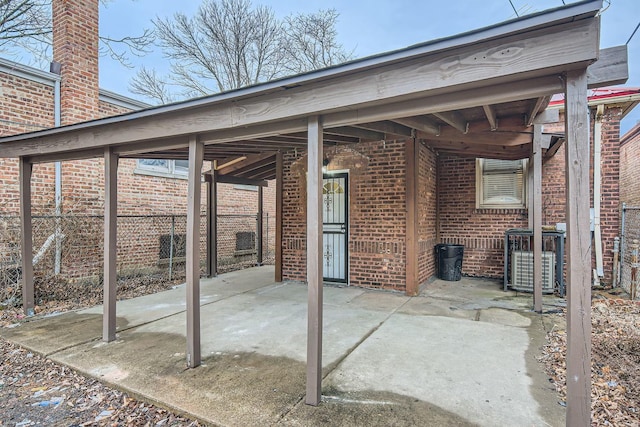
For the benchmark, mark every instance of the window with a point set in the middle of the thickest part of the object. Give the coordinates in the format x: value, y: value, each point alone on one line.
x: 163, y: 167
x: 501, y: 184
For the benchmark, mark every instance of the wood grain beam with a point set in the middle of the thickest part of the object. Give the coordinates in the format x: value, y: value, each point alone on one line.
x: 454, y: 119
x: 252, y: 161
x: 540, y: 104
x: 474, y: 150
x: 490, y: 112
x: 196, y: 153
x: 536, y: 210
x: 420, y: 123
x: 238, y: 180
x: 511, y: 132
x: 355, y: 132
x: 26, y: 237
x: 611, y: 68
x: 577, y: 147
x: 387, y: 127
x: 279, y: 207
x: 110, y: 245
x: 543, y: 51
x: 314, y: 262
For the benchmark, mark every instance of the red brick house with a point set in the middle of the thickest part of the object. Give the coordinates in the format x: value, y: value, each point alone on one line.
x: 32, y: 100
x: 630, y: 167
x: 400, y: 133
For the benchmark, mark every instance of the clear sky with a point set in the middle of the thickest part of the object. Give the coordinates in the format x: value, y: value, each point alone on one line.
x: 371, y: 26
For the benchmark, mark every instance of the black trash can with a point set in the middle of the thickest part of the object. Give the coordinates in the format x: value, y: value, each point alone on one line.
x: 449, y: 261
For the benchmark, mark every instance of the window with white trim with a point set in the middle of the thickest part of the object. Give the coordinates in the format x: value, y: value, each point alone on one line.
x: 501, y: 184
x: 163, y: 167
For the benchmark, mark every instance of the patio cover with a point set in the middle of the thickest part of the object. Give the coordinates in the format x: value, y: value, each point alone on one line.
x: 481, y: 94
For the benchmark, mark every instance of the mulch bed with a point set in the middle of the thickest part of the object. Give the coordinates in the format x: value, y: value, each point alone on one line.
x: 615, y: 362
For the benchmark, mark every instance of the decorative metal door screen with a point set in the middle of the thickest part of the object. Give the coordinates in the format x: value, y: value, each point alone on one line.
x: 334, y: 227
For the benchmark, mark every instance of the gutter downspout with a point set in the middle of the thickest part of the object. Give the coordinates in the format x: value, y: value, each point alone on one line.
x: 597, y: 184
x: 55, y: 68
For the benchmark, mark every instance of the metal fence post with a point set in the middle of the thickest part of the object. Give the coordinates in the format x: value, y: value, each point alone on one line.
x: 173, y: 229
x: 634, y: 270
x: 616, y: 262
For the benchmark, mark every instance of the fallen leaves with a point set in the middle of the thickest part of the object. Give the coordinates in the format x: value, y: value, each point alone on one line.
x: 37, y: 391
x: 615, y: 363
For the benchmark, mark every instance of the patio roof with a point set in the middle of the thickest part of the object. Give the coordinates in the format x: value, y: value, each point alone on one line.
x: 475, y: 94
x: 482, y: 93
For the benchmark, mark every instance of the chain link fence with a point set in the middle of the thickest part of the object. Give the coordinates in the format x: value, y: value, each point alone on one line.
x: 69, y: 249
x: 630, y: 231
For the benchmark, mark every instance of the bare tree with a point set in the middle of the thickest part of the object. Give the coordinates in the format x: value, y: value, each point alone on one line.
x: 25, y: 25
x: 230, y: 44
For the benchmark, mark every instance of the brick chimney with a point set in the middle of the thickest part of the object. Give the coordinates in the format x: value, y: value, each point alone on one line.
x: 75, y: 47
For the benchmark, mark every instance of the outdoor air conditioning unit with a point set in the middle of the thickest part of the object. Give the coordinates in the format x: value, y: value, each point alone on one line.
x: 522, y: 271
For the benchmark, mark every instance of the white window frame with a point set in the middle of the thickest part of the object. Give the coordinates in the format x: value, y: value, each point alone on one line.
x: 170, y: 171
x: 480, y: 204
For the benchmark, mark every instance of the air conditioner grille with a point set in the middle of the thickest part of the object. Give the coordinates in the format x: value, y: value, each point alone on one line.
x: 522, y: 271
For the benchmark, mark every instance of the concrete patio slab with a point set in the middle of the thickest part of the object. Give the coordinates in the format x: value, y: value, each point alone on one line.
x: 461, y: 353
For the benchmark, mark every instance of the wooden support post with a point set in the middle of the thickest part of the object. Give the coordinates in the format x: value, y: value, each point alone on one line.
x: 212, y: 224
x: 259, y: 228
x: 537, y: 218
x: 196, y: 152
x: 314, y: 262
x: 278, y: 242
x: 578, y: 251
x: 110, y: 244
x: 26, y: 237
x: 530, y: 202
x: 411, y: 226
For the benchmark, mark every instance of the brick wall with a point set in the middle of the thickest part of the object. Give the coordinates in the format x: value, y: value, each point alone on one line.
x: 427, y: 206
x: 482, y: 231
x: 630, y: 167
x: 376, y: 211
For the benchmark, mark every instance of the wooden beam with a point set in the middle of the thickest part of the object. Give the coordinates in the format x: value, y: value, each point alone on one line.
x: 554, y: 149
x: 364, y: 134
x: 490, y: 112
x: 230, y: 161
x: 545, y: 141
x: 386, y: 127
x: 212, y: 223
x: 237, y: 180
x: 279, y: 203
x: 494, y: 152
x: 578, y: 251
x: 537, y: 218
x: 154, y: 145
x: 542, y: 52
x: 511, y: 132
x: 91, y: 153
x: 411, y: 222
x: 26, y: 237
x: 314, y: 263
x: 454, y: 119
x: 259, y: 228
x: 252, y: 162
x: 110, y: 279
x: 611, y: 68
x: 540, y: 104
x: 548, y: 116
x: 493, y: 94
x: 420, y: 123
x: 239, y: 163
x: 196, y: 152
